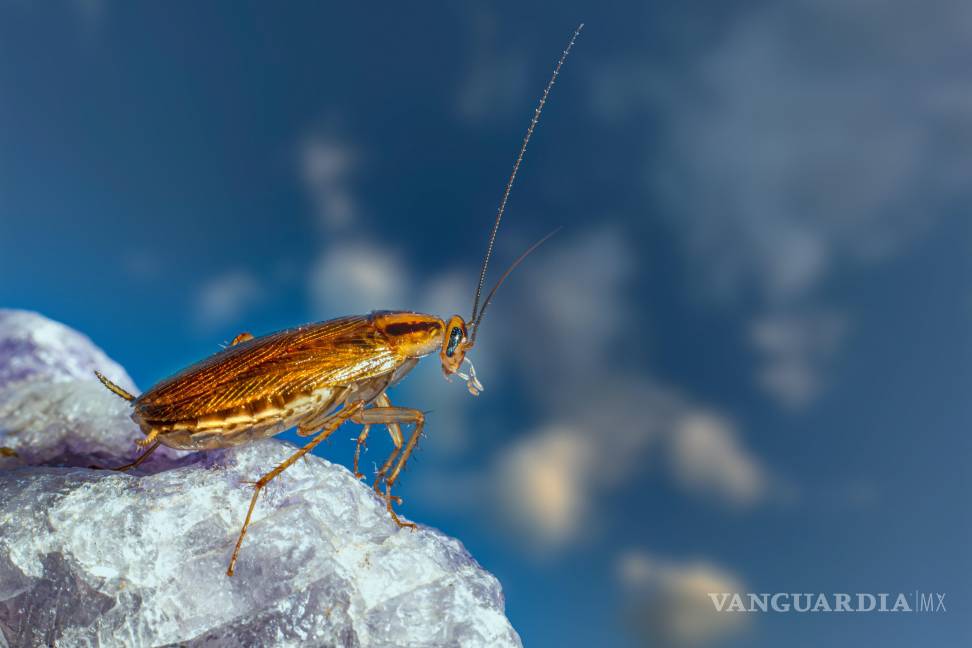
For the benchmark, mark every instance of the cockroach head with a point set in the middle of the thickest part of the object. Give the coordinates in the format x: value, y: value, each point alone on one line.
x: 455, y: 344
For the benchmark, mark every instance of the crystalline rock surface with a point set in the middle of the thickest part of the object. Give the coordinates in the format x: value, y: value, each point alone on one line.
x: 100, y: 558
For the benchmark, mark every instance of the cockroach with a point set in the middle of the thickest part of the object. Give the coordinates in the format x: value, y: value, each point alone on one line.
x: 318, y: 376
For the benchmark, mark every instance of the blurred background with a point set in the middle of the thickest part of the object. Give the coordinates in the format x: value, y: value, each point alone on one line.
x: 743, y: 365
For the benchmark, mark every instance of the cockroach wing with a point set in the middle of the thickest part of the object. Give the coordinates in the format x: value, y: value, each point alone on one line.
x: 273, y: 368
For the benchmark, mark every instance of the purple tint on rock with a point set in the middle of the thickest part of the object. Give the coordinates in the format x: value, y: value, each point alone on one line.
x: 53, y: 410
x: 35, y: 348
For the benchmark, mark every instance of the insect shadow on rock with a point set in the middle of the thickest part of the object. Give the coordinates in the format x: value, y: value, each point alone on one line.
x: 318, y: 376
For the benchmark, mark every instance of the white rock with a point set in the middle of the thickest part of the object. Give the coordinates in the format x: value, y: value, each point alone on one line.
x: 101, y: 558
x: 34, y: 348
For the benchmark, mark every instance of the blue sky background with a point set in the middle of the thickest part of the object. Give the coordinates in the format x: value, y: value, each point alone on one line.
x: 742, y: 366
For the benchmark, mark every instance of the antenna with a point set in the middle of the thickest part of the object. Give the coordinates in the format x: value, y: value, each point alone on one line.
x: 489, y: 297
x: 516, y: 167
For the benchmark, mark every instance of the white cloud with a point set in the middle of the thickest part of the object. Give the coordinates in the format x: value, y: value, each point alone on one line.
x: 808, y: 138
x: 326, y: 165
x: 356, y: 278
x: 707, y: 457
x: 542, y: 484
x: 549, y: 478
x: 796, y: 348
x: 351, y: 275
x: 793, y: 170
x: 572, y: 308
x: 223, y: 299
x: 668, y: 603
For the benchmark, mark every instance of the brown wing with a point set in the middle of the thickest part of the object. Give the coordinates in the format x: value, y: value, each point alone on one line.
x: 274, y: 367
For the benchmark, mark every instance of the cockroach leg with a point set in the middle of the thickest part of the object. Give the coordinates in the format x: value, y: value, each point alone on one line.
x: 394, y: 415
x: 357, y: 451
x: 418, y: 418
x: 142, y: 457
x: 333, y: 424
x: 389, y: 500
x: 394, y: 431
x: 385, y: 467
x: 313, y: 423
x: 242, y: 337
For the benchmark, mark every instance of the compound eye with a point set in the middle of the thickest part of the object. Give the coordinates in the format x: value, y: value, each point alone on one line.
x: 455, y: 337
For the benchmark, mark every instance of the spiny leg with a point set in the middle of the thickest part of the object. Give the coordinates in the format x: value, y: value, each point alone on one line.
x: 385, y: 467
x: 339, y: 418
x: 396, y: 415
x: 394, y: 431
x: 142, y: 457
x: 314, y: 422
x: 357, y: 450
x: 419, y: 421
